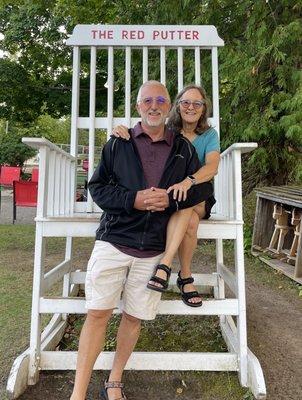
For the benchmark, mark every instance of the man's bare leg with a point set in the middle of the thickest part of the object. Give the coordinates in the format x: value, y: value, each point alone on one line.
x: 91, y: 343
x: 127, y: 336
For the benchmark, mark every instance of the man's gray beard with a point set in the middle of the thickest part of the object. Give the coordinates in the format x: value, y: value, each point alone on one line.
x: 154, y: 124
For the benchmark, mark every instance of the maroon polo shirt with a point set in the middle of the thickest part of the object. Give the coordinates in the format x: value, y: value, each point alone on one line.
x: 153, y: 157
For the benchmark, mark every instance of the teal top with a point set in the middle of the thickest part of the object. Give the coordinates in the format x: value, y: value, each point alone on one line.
x: 205, y: 143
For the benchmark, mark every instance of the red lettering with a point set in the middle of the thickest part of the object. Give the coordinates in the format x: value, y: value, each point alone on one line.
x: 180, y: 34
x: 140, y: 34
x: 110, y: 34
x: 124, y: 34
x: 195, y: 35
x: 155, y: 34
x: 94, y: 34
x: 188, y: 35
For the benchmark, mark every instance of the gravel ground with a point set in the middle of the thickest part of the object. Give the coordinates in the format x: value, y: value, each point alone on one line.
x: 25, y: 215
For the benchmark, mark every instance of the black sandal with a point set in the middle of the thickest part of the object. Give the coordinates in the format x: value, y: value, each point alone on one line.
x: 186, y: 296
x: 113, y: 384
x: 163, y: 282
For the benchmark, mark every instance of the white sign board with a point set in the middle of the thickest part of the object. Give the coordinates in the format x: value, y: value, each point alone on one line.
x: 145, y: 35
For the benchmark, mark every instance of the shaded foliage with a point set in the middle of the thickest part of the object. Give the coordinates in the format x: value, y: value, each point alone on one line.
x: 260, y: 68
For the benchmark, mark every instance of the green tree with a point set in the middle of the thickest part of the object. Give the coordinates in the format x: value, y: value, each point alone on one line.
x: 260, y: 67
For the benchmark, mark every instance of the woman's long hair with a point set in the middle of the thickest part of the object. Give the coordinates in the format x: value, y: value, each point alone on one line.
x: 175, y: 120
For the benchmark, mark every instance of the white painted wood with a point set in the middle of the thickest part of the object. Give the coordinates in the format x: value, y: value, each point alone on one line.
x: 37, y: 143
x: 228, y: 277
x: 215, y: 89
x: 92, y: 95
x: 255, y: 377
x: 243, y: 147
x: 241, y: 324
x: 176, y: 307
x: 110, y: 82
x: 180, y: 79
x: 256, y: 380
x: 43, y: 182
x: 168, y: 361
x: 52, y: 340
x: 51, y: 183
x: 145, y: 65
x: 35, y: 341
x: 128, y: 87
x: 197, y: 66
x: 75, y: 101
x: 163, y: 65
x: 55, y: 274
x: 145, y: 35
x: 68, y: 185
x: 57, y: 197
x: 17, y: 379
x: 62, y: 187
x: 237, y: 184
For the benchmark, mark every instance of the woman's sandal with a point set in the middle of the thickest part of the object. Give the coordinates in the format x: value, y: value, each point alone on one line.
x: 163, y: 282
x: 110, y: 385
x: 186, y: 296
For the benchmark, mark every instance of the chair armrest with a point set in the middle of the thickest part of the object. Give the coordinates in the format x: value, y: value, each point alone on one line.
x: 243, y: 147
x: 37, y: 143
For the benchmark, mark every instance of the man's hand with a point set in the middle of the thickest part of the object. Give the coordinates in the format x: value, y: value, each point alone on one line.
x: 180, y: 189
x: 153, y: 199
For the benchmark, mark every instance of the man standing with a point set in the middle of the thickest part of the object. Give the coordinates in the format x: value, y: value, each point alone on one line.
x: 130, y: 186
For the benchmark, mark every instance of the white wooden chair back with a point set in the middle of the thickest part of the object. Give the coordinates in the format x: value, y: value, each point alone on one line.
x: 114, y: 38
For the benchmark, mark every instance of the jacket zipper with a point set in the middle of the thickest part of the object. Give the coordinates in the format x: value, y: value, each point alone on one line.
x: 145, y: 230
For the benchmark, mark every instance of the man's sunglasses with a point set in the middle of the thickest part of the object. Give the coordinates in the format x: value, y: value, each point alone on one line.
x: 159, y: 100
x: 196, y: 104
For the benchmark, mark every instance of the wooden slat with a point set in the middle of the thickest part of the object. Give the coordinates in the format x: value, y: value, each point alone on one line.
x: 180, y: 79
x: 128, y: 87
x: 110, y: 82
x: 215, y: 88
x: 92, y: 92
x: 176, y: 307
x: 159, y: 361
x: 145, y: 64
x: 163, y: 65
x: 197, y: 66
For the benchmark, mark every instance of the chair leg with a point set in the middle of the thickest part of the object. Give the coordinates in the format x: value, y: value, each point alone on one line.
x: 241, y: 320
x: 35, y: 334
x: 14, y: 211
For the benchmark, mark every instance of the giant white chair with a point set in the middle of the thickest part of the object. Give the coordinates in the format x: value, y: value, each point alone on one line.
x: 59, y: 215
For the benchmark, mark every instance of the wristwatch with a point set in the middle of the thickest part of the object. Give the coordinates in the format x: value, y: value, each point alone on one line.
x: 192, y: 179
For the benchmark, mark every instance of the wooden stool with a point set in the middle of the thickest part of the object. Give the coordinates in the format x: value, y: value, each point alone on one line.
x: 280, y: 231
x: 296, y: 222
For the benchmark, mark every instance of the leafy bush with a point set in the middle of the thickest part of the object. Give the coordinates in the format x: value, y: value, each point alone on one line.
x: 13, y: 151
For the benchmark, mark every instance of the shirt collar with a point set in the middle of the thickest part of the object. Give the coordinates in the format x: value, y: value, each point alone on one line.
x: 168, y: 134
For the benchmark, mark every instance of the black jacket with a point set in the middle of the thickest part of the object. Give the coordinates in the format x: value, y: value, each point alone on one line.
x: 119, y: 176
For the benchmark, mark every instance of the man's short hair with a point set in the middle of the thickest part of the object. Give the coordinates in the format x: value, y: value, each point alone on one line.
x: 150, y: 83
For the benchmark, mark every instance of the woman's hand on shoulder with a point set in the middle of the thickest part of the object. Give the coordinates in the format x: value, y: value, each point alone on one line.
x: 121, y: 131
x: 180, y: 189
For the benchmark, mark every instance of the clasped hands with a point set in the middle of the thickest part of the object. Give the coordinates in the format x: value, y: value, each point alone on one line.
x: 156, y: 199
x: 152, y: 199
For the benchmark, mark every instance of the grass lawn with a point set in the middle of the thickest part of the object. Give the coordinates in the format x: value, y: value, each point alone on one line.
x: 166, y: 333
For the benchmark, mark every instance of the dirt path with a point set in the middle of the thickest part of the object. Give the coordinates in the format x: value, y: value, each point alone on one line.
x: 274, y: 334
